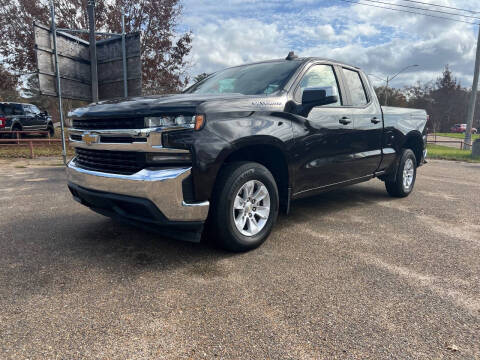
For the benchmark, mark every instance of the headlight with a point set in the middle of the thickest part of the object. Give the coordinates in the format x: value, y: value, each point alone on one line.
x: 183, y: 121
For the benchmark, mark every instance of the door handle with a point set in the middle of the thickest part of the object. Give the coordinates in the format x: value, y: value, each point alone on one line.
x: 375, y: 120
x: 344, y: 120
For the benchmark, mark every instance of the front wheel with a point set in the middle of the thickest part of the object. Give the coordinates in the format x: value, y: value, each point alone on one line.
x: 245, y: 206
x: 402, y: 184
x: 51, y: 131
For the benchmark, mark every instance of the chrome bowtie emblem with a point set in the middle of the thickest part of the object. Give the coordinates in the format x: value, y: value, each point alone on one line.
x: 89, y: 139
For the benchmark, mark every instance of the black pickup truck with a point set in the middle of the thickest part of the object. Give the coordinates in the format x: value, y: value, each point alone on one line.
x: 236, y: 148
x: 24, y: 117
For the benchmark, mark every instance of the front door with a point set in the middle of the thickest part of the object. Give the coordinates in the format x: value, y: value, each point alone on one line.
x: 28, y: 122
x: 323, y: 147
x: 38, y: 120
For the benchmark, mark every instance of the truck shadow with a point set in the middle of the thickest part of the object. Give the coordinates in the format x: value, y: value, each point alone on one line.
x: 333, y: 202
x: 83, y: 237
x: 80, y: 239
x: 143, y: 248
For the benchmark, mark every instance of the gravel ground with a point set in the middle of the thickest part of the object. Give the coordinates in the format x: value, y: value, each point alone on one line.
x: 350, y: 274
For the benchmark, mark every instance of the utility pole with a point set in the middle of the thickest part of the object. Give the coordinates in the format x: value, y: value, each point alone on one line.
x: 59, y: 83
x: 124, y: 58
x: 93, y: 49
x: 390, y: 78
x: 473, y: 99
x: 386, y: 91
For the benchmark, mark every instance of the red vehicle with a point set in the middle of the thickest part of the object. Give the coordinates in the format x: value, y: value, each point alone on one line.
x: 461, y: 128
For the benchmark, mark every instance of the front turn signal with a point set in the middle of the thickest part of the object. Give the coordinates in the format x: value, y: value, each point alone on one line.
x: 199, y: 122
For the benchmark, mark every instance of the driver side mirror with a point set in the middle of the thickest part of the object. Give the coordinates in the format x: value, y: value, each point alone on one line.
x: 318, y: 96
x: 313, y: 97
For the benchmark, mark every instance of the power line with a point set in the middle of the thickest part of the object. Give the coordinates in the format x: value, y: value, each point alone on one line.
x: 442, y: 6
x: 410, y: 12
x: 419, y: 8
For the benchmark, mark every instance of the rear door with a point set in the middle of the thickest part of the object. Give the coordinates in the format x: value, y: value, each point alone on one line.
x: 17, y: 114
x: 367, y: 122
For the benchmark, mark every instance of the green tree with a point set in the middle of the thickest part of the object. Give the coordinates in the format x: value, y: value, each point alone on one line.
x: 449, y: 101
x: 395, y: 96
x: 8, y: 85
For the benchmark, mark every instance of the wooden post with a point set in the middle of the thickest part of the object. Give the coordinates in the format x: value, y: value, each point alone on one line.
x: 18, y: 138
x: 31, y: 149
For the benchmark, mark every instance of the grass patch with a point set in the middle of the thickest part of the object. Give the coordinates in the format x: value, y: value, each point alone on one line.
x: 448, y: 153
x: 457, y: 135
x: 54, y: 149
x: 10, y: 152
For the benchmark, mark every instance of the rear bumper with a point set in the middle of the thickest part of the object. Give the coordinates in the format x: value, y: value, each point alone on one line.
x: 150, y: 196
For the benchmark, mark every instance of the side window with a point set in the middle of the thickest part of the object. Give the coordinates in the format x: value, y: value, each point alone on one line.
x: 27, y: 109
x: 17, y: 109
x: 355, y: 85
x: 320, y: 76
x: 6, y: 109
x: 34, y: 109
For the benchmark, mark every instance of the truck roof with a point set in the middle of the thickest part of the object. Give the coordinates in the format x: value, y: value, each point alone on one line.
x: 301, y: 60
x: 13, y: 103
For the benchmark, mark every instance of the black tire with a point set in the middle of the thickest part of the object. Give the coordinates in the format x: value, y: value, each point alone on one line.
x: 51, y: 131
x: 231, y: 180
x: 396, y: 187
x: 16, y: 128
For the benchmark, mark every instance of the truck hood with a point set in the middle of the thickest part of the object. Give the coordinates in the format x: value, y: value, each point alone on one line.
x: 194, y: 103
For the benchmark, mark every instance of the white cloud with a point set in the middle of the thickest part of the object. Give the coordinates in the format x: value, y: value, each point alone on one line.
x: 380, y: 41
x: 235, y: 41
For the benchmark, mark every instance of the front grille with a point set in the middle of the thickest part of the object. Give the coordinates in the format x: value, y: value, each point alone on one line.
x: 107, y: 124
x: 116, y: 162
x: 121, y: 140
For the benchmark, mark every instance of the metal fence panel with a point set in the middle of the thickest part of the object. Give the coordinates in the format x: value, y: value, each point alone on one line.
x: 74, y: 65
x: 110, y: 66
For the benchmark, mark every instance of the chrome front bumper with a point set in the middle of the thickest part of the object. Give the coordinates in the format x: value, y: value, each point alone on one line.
x: 162, y: 187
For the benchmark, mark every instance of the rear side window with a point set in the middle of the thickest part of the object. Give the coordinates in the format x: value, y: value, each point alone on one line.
x: 5, y: 109
x: 355, y: 85
x: 10, y: 109
x: 17, y: 109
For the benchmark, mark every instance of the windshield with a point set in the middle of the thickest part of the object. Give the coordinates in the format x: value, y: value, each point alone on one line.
x: 254, y: 79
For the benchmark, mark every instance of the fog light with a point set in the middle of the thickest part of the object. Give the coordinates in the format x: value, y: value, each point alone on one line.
x: 169, y: 158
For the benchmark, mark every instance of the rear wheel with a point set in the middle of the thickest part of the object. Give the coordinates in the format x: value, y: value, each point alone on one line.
x: 404, y: 181
x: 245, y: 206
x: 16, y: 128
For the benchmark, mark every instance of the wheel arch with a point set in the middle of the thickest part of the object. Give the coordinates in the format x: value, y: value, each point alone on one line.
x: 414, y: 141
x: 269, y: 152
x: 16, y: 123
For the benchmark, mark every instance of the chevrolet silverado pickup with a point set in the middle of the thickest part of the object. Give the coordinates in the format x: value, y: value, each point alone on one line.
x: 233, y: 150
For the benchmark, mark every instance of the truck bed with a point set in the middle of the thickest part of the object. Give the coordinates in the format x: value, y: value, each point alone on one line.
x: 404, y: 119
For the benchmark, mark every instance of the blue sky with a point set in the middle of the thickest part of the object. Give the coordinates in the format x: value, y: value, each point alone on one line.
x: 232, y: 32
